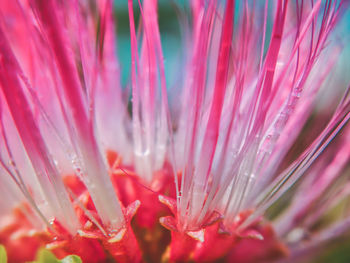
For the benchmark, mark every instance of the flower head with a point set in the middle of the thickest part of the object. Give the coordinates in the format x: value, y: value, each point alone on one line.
x: 81, y: 154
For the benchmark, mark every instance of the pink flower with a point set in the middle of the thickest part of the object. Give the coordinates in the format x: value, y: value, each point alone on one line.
x: 208, y: 163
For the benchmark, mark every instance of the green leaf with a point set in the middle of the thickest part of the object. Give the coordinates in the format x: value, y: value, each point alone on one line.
x: 45, y: 256
x: 72, y: 259
x: 3, y: 255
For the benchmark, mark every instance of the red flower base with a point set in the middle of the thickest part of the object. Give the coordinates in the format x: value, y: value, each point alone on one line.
x: 143, y: 238
x: 213, y: 242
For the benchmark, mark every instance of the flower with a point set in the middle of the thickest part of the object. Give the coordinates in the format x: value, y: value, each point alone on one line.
x: 91, y: 170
